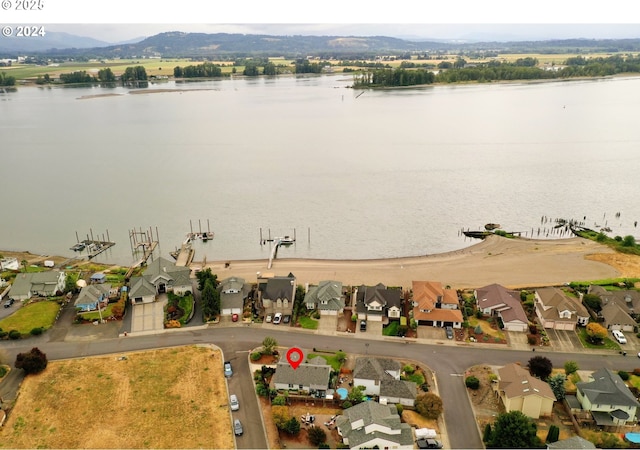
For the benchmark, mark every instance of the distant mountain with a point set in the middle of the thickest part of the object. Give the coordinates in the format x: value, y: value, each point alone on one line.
x: 202, y: 45
x: 51, y: 40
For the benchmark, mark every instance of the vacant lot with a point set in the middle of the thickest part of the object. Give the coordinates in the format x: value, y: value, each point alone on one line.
x: 169, y: 398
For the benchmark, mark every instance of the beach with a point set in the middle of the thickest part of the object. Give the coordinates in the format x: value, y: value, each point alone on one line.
x: 514, y: 263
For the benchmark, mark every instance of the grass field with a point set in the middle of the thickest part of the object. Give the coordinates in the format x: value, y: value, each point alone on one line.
x: 308, y: 323
x: 34, y: 315
x: 169, y: 398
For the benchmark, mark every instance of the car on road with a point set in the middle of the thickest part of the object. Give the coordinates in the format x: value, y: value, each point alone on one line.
x: 234, y: 317
x: 228, y: 371
x: 363, y: 325
x: 237, y: 427
x: 268, y: 318
x: 619, y: 336
x: 233, y: 402
x: 449, y: 332
x: 428, y: 443
x: 8, y: 303
x: 286, y: 319
x: 277, y: 318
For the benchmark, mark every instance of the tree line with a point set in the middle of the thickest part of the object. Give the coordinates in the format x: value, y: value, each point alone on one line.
x: 7, y: 80
x: 522, y: 69
x: 131, y: 74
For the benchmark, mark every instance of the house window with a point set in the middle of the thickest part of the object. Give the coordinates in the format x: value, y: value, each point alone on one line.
x: 300, y: 386
x: 290, y: 386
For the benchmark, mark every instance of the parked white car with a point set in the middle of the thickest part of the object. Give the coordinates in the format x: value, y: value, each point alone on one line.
x: 277, y: 318
x: 233, y: 402
x: 617, y: 334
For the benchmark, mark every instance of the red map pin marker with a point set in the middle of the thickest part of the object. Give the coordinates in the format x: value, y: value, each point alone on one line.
x: 295, y: 357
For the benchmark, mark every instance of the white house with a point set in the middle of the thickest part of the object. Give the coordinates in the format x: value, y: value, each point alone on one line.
x: 42, y: 284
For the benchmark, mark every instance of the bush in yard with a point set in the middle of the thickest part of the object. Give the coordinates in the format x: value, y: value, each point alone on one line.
x: 570, y: 367
x: 399, y: 408
x: 472, y: 382
x: 324, y: 445
x: 477, y: 329
x: 15, y: 334
x: 409, y: 369
x: 486, y: 436
x: 33, y: 362
x: 256, y: 356
x: 279, y: 401
x: 261, y: 390
x: 428, y: 405
x: 37, y: 331
x: 317, y: 435
x: 281, y: 416
x: 346, y: 404
x: 292, y: 426
x: 553, y: 434
x: 354, y: 317
x: 624, y: 375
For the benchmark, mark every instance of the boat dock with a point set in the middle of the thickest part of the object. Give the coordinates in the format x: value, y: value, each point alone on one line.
x: 275, y: 244
x: 93, y: 246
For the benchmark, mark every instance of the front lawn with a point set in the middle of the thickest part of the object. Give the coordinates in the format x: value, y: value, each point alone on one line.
x: 332, y: 360
x: 391, y: 329
x: 41, y: 314
x: 95, y: 315
x: 308, y: 323
x: 606, y: 343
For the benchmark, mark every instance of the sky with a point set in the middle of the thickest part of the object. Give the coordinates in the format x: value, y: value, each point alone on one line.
x: 120, y: 20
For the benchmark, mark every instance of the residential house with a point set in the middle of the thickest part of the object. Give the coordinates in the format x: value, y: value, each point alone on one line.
x: 618, y: 307
x: 520, y: 391
x: 9, y: 264
x: 377, y: 303
x: 381, y: 377
x: 92, y: 295
x: 279, y: 294
x: 98, y: 277
x: 160, y: 276
x: 557, y: 310
x: 608, y: 398
x: 326, y: 297
x: 574, y: 442
x: 37, y: 284
x: 232, y: 296
x: 435, y: 306
x: 372, y: 425
x: 311, y: 377
x: 496, y: 300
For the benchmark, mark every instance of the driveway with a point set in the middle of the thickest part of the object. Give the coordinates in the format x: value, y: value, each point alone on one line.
x: 148, y: 317
x: 564, y: 340
x: 328, y: 325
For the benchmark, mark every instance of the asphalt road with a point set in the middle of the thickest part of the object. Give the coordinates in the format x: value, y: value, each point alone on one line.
x: 448, y: 364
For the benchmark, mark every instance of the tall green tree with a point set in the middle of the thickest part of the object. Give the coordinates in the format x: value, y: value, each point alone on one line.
x: 514, y: 430
x: 208, y: 301
x: 556, y: 383
x: 570, y: 367
x: 106, y: 75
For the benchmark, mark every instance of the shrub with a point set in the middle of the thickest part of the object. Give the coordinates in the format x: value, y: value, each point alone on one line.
x: 37, y: 331
x: 477, y: 329
x: 429, y: 405
x: 570, y: 367
x: 279, y: 401
x: 472, y: 382
x: 478, y: 314
x: 346, y: 404
x: 261, y: 390
x: 409, y: 369
x: 399, y: 408
x: 256, y: 356
x: 493, y: 377
x: 317, y: 435
x: 15, y: 334
x: 316, y: 314
x: 33, y: 362
x: 354, y: 317
x: 486, y: 436
x: 553, y: 434
x: 624, y: 375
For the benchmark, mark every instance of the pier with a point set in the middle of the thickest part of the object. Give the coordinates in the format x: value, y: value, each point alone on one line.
x: 141, y: 240
x: 276, y: 243
x: 93, y: 246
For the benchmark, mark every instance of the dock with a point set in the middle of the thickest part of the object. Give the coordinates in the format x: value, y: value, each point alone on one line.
x: 147, y: 252
x: 276, y: 243
x: 184, y: 257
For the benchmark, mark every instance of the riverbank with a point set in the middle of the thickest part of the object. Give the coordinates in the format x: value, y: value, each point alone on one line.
x: 515, y: 263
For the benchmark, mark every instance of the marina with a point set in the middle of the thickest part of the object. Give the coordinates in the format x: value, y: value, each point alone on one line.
x: 93, y: 246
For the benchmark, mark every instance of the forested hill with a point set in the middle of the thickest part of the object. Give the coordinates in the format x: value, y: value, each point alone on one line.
x: 179, y: 44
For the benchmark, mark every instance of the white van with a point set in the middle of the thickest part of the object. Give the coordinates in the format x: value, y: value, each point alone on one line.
x: 619, y: 336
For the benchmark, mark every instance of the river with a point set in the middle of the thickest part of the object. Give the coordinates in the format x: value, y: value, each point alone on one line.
x: 354, y: 174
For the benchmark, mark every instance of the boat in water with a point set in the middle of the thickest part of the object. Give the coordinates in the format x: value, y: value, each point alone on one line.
x: 492, y: 226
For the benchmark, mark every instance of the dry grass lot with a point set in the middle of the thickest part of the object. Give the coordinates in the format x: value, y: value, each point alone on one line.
x: 168, y: 398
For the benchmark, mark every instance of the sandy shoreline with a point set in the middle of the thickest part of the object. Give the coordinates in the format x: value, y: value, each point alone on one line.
x: 515, y: 263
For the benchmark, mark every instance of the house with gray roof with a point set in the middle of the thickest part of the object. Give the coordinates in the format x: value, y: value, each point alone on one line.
x: 312, y: 378
x: 279, y: 294
x: 574, y: 442
x: 160, y: 276
x: 557, y: 310
x: 37, y: 284
x: 93, y: 294
x: 381, y: 377
x: 233, y: 292
x: 326, y: 297
x: 496, y: 300
x: 377, y: 302
x: 372, y: 425
x: 608, y: 398
x: 618, y: 307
